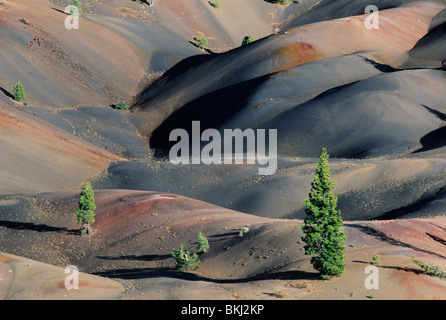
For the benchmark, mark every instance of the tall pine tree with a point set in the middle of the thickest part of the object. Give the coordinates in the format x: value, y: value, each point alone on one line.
x: 324, y: 239
x: 85, y: 211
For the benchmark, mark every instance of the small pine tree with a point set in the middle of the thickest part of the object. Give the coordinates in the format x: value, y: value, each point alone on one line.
x: 85, y: 212
x: 201, y: 42
x: 376, y: 260
x: 247, y: 40
x: 19, y: 92
x: 184, y: 260
x: 324, y: 238
x: 203, y: 244
x: 78, y: 5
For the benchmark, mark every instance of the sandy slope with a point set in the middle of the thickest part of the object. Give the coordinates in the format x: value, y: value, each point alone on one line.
x: 204, y: 88
x: 384, y: 123
x: 101, y: 63
x: 137, y: 230
x: 35, y: 155
x: 25, y: 279
x: 377, y: 188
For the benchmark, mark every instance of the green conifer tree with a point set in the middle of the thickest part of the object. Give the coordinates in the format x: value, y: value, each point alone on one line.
x: 184, y: 259
x: 324, y: 239
x: 247, y: 40
x: 85, y: 212
x: 19, y: 92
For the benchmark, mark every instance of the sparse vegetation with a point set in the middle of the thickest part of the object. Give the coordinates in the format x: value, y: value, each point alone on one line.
x: 376, y: 260
x: 85, y: 212
x: 122, y: 106
x: 278, y: 294
x: 217, y: 4
x: 430, y: 269
x: 184, y: 259
x: 324, y: 238
x: 19, y: 92
x: 203, y: 244
x: 247, y: 40
x: 78, y: 5
x: 243, y: 231
x: 201, y: 42
x: 282, y: 2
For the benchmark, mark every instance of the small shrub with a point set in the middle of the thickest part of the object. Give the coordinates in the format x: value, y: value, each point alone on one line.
x: 217, y: 4
x: 376, y: 260
x: 19, y: 92
x: 203, y: 244
x: 184, y: 260
x: 282, y: 2
x: 247, y: 40
x: 201, y: 42
x: 278, y: 294
x: 243, y: 231
x: 122, y: 106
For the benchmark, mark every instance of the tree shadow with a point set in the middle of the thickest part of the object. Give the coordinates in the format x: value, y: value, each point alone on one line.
x: 148, y: 2
x: 437, y: 226
x: 383, y: 237
x: 406, y: 269
x: 171, y: 272
x: 7, y: 93
x: 147, y: 257
x: 58, y: 10
x: 35, y: 227
x: 227, y: 234
x: 436, y: 238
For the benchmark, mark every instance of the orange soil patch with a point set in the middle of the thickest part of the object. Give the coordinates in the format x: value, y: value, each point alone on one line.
x: 296, y: 54
x: 399, y: 30
x: 37, y: 131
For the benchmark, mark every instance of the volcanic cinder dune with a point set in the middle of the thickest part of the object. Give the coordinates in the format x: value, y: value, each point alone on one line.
x: 375, y: 98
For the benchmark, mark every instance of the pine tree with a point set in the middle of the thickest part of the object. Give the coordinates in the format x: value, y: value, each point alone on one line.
x: 184, y: 259
x: 201, y: 42
x: 85, y: 212
x: 247, y: 40
x: 19, y: 92
x: 324, y: 238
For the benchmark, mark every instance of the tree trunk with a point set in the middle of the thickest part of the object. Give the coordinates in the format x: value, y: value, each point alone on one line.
x: 86, y: 229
